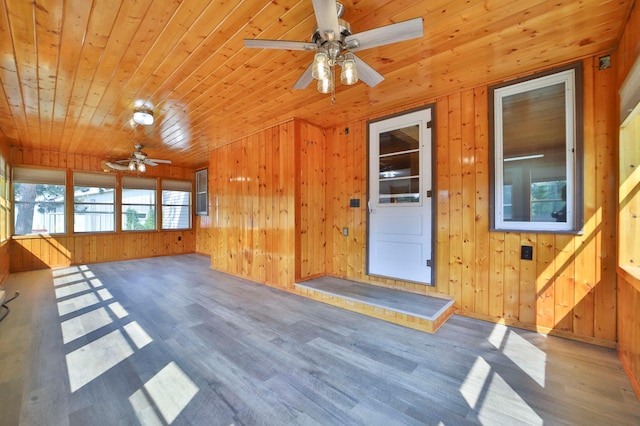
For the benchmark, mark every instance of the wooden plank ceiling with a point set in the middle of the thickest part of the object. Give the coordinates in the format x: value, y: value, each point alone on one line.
x: 72, y: 70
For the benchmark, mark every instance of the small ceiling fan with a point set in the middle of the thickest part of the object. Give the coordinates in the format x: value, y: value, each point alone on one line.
x: 137, y: 161
x: 334, y: 44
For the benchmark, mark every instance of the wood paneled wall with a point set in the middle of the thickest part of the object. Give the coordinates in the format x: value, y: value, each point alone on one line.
x: 629, y: 279
x: 4, y: 245
x: 310, y: 201
x: 569, y: 287
x: 252, y: 190
x: 36, y: 252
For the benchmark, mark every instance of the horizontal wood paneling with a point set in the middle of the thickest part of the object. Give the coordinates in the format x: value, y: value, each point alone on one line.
x: 569, y: 287
x: 253, y: 206
x: 36, y: 252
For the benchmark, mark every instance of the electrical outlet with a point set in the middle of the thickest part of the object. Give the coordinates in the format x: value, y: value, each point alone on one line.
x: 526, y: 252
x: 354, y: 202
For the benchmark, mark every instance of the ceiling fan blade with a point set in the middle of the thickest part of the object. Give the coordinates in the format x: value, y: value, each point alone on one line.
x: 326, y: 13
x: 156, y: 161
x: 279, y: 44
x: 367, y: 74
x: 388, y: 34
x: 304, y: 79
x: 124, y: 161
x: 116, y: 166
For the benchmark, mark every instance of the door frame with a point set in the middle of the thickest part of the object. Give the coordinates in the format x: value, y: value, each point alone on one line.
x: 434, y: 184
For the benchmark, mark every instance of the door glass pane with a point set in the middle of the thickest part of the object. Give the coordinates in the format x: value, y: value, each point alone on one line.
x: 399, y: 173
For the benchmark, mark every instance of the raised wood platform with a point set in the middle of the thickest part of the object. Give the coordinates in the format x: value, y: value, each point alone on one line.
x: 424, y: 313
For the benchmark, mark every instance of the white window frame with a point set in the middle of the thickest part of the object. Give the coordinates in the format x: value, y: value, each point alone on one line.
x: 202, y: 196
x: 94, y: 180
x: 37, y: 176
x: 130, y: 182
x: 176, y: 186
x: 573, y: 147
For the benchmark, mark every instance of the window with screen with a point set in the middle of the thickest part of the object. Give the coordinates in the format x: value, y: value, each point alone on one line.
x: 176, y: 204
x: 39, y: 201
x: 94, y: 202
x: 138, y: 204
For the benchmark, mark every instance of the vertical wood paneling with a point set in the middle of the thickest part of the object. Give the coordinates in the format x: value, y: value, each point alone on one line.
x: 567, y: 289
x: 254, y: 233
x: 628, y: 211
x: 310, y: 201
x: 455, y: 199
x: 37, y: 252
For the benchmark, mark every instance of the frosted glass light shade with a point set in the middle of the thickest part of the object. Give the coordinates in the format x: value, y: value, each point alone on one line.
x: 142, y: 168
x: 132, y: 165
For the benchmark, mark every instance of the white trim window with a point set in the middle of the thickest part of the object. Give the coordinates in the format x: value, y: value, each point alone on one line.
x: 202, y: 198
x: 537, y: 153
x: 39, y: 201
x: 94, y: 202
x: 138, y: 204
x: 176, y: 204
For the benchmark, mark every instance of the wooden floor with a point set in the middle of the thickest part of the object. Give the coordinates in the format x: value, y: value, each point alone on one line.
x: 169, y: 341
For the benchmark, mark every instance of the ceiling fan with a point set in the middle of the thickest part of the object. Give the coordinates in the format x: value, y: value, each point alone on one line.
x: 137, y: 161
x: 334, y: 44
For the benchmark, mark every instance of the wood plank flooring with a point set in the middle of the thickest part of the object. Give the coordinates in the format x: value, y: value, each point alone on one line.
x: 169, y: 341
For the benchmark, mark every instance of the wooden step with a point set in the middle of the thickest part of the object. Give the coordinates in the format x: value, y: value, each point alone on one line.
x: 424, y: 313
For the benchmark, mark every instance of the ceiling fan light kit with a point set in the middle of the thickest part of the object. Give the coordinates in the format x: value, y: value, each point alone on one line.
x: 334, y: 43
x: 138, y: 161
x: 143, y: 116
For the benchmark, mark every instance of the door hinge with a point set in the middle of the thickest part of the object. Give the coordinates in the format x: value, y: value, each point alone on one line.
x: 429, y: 124
x: 429, y: 193
x: 429, y: 263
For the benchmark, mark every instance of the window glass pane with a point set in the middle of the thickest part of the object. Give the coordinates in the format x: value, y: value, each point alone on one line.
x: 399, y: 140
x: 138, y: 209
x: 39, y: 208
x: 399, y: 166
x: 202, y: 205
x: 94, y: 209
x: 176, y: 209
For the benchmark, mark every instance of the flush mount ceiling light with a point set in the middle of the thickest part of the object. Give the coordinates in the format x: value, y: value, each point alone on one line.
x: 334, y: 43
x: 143, y: 115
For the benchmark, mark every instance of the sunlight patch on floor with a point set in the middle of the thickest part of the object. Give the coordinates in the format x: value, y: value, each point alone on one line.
x: 80, y: 302
x: 80, y: 326
x: 527, y: 356
x: 168, y: 392
x: 72, y: 289
x: 137, y: 334
x: 95, y: 358
x: 493, y: 400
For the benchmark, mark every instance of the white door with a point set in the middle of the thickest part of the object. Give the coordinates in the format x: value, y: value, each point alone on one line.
x: 400, y: 202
